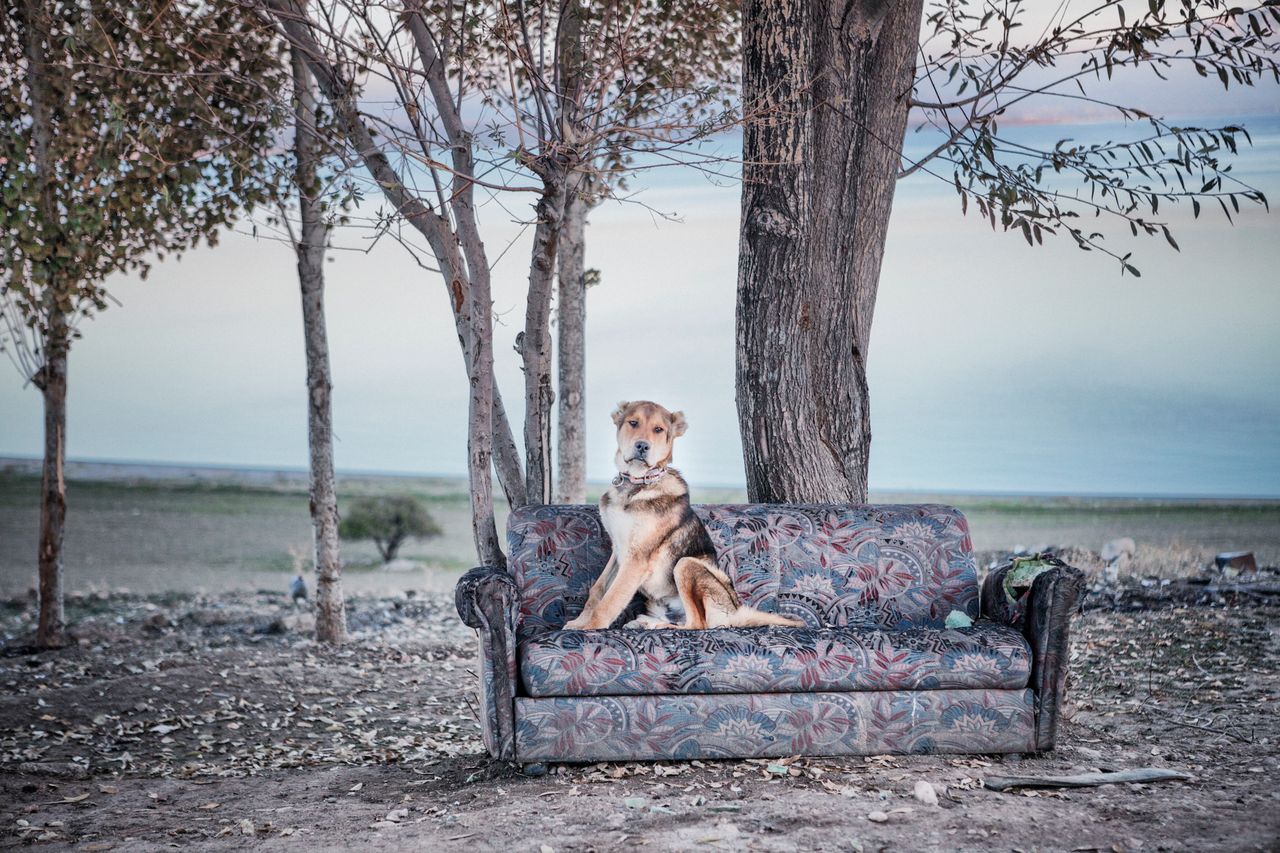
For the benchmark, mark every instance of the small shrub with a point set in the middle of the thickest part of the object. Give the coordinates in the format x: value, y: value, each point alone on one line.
x: 388, y: 521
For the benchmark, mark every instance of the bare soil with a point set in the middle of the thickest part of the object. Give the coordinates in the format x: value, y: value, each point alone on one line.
x: 214, y: 722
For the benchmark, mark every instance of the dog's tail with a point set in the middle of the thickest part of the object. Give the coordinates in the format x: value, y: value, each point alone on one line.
x: 749, y: 617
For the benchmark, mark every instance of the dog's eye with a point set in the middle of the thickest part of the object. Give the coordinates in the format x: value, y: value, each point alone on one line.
x: 633, y: 423
x: 657, y: 429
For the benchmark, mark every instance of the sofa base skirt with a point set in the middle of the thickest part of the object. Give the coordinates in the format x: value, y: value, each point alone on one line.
x: 772, y: 725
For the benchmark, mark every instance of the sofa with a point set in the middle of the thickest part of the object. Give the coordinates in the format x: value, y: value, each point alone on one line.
x: 876, y: 669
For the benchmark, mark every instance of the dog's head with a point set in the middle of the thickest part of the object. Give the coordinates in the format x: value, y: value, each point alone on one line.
x: 646, y: 433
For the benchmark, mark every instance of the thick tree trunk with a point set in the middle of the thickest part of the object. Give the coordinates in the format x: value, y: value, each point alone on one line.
x: 535, y: 343
x: 331, y: 617
x: 52, y: 381
x: 831, y: 81
x: 571, y: 425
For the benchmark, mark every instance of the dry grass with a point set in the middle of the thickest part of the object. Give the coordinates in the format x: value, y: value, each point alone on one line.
x: 1174, y: 559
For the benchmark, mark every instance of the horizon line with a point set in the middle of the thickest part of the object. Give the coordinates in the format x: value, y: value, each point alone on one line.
x: 8, y: 462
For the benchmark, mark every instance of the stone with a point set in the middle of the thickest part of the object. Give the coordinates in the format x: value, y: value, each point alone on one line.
x: 925, y: 793
x: 1117, y: 548
x: 297, y: 623
x: 1242, y: 561
x: 877, y: 817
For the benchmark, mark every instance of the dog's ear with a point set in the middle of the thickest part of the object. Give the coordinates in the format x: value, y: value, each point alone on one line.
x: 623, y: 405
x: 678, y: 424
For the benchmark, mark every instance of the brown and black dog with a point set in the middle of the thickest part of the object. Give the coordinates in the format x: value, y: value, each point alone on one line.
x: 660, y: 548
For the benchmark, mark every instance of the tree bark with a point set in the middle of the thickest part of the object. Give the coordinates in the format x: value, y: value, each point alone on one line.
x: 506, y: 455
x: 535, y: 343
x: 832, y: 82
x: 331, y: 617
x: 571, y: 426
x: 52, y: 381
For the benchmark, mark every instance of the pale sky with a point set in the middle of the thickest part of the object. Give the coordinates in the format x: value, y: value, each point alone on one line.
x: 993, y: 366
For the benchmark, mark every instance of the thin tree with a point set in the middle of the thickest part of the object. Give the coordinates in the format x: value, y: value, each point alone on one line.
x: 461, y: 125
x: 444, y: 216
x: 696, y: 52
x: 839, y: 80
x: 310, y: 244
x: 388, y: 521
x: 122, y: 138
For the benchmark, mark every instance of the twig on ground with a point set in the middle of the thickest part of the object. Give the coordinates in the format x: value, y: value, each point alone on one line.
x: 1086, y: 780
x: 1169, y: 718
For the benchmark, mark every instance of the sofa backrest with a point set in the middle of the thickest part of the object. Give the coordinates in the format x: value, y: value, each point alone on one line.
x: 889, y: 566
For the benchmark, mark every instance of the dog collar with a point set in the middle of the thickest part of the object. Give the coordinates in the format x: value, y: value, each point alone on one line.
x: 653, y: 475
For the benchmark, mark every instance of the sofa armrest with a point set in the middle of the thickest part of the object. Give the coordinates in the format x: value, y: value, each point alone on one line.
x: 483, y: 586
x: 486, y: 598
x: 1043, y: 612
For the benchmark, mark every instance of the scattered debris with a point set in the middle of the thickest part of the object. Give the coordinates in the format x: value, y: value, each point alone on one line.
x: 1118, y: 549
x: 1086, y: 780
x: 1024, y: 572
x: 1233, y: 563
x: 380, y: 736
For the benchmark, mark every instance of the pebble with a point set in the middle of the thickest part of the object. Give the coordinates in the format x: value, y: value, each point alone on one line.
x: 877, y: 817
x: 926, y: 794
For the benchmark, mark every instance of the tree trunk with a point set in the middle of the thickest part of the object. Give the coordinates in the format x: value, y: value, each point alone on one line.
x: 51, y: 378
x: 831, y: 81
x: 571, y: 438
x: 567, y: 254
x: 480, y: 415
x: 52, y: 382
x: 506, y: 455
x: 331, y: 617
x: 535, y: 343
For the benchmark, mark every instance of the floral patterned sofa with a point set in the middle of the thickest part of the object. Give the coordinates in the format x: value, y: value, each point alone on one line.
x: 875, y: 670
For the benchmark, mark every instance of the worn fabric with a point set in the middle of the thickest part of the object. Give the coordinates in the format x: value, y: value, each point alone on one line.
x: 1043, y: 612
x: 485, y: 598
x: 773, y: 660
x: 994, y: 601
x: 874, y: 671
x: 891, y: 566
x: 627, y: 728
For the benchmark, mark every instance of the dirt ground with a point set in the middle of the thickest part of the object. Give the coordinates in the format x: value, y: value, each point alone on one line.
x: 213, y: 722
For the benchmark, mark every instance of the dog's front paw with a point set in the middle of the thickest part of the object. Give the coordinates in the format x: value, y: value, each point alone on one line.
x: 580, y: 624
x: 648, y: 623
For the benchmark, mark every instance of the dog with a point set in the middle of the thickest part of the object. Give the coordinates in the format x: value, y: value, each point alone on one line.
x: 660, y: 548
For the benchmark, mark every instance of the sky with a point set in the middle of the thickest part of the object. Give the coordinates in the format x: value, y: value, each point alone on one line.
x: 993, y: 366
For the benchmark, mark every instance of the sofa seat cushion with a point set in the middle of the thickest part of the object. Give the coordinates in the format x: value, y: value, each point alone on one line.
x: 623, y: 662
